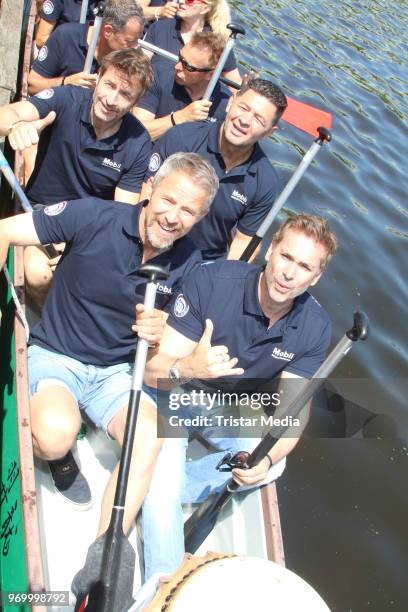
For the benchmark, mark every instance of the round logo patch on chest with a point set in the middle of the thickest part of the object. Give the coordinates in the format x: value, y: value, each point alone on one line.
x: 55, y: 209
x: 181, y: 307
x: 47, y: 7
x: 46, y: 94
x: 42, y: 54
x: 154, y: 163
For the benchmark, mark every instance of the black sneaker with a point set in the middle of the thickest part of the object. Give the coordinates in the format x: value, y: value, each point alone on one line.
x: 70, y: 483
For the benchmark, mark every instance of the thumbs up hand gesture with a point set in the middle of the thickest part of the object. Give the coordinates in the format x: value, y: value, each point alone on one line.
x: 26, y: 133
x: 208, y: 361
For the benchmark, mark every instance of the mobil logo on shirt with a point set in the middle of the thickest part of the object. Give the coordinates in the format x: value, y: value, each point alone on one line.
x: 109, y: 163
x: 239, y: 197
x: 283, y: 355
x: 164, y: 289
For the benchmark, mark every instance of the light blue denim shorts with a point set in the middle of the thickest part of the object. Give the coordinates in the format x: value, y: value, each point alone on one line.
x: 100, y: 392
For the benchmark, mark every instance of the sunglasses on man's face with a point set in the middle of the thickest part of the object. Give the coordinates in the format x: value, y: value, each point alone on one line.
x: 187, y: 66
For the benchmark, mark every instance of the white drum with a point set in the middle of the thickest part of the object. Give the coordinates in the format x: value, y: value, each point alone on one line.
x: 238, y: 584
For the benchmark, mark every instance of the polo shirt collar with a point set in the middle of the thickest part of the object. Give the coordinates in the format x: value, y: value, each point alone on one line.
x: 85, y: 116
x: 131, y: 223
x: 113, y: 141
x: 214, y: 137
x: 252, y: 305
x: 246, y: 167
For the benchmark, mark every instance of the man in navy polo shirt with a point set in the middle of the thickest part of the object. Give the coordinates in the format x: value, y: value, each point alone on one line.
x: 90, y: 144
x: 232, y: 326
x: 56, y: 12
x: 248, y: 182
x: 85, y: 333
x: 175, y: 96
x: 61, y: 60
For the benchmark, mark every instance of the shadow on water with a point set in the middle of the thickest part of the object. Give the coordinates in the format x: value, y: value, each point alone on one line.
x: 344, y: 500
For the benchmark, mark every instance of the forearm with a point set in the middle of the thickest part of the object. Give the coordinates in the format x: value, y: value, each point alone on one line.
x: 158, y: 369
x: 44, y: 30
x: 282, y: 448
x: 238, y: 246
x: 157, y: 127
x: 17, y: 230
x: 151, y: 12
x: 37, y: 83
x: 287, y: 442
x: 8, y: 117
x: 4, y: 247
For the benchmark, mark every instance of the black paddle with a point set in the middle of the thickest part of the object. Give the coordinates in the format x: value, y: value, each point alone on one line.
x: 202, y: 521
x: 109, y: 567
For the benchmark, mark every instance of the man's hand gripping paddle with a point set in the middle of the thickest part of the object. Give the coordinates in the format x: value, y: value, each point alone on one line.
x: 203, y: 520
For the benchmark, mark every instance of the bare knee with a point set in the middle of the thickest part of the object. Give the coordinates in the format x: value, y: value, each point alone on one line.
x: 55, y: 422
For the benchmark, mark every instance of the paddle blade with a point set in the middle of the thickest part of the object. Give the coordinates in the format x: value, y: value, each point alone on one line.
x: 305, y: 117
x: 203, y: 520
x: 98, y: 583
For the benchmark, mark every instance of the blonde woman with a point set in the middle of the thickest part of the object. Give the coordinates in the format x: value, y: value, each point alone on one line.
x: 194, y: 16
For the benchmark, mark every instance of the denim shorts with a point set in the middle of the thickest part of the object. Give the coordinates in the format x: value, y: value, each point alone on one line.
x: 100, y: 392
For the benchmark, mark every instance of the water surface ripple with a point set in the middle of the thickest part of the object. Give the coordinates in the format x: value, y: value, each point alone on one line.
x: 350, y: 58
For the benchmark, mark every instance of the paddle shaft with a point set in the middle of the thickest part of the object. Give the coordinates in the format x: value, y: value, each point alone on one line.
x: 221, y: 62
x: 16, y: 187
x: 84, y: 11
x: 94, y: 41
x: 302, y: 116
x: 202, y: 521
x: 286, y: 193
x: 102, y: 597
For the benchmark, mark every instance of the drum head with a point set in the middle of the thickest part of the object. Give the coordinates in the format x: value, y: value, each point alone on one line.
x: 241, y: 584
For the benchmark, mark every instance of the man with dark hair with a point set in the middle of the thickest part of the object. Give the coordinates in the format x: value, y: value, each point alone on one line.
x: 88, y: 143
x: 248, y: 182
x: 232, y: 327
x: 175, y: 96
x: 61, y: 60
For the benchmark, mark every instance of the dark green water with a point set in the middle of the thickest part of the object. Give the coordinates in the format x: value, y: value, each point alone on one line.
x: 344, y: 502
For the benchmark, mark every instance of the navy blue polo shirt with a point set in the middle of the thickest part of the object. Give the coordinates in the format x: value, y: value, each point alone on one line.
x: 166, y: 34
x: 166, y: 96
x: 91, y: 304
x: 246, y: 192
x: 71, y: 163
x: 65, y: 11
x: 227, y: 293
x: 64, y: 53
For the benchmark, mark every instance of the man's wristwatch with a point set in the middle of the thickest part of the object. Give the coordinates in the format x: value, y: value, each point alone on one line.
x: 174, y: 374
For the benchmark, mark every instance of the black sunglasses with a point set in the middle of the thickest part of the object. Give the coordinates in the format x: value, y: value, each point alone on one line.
x: 187, y: 66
